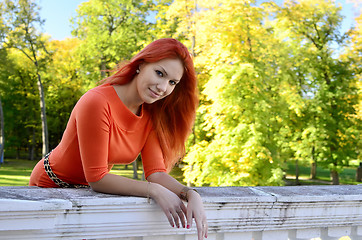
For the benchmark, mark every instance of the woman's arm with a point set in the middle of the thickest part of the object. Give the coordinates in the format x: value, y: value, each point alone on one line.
x: 115, y: 184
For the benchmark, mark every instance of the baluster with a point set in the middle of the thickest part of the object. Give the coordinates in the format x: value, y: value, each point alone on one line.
x: 304, y: 234
x: 335, y: 233
x: 238, y: 236
x: 356, y: 233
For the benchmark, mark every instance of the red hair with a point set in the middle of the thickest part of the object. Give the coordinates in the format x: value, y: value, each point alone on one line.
x: 174, y: 115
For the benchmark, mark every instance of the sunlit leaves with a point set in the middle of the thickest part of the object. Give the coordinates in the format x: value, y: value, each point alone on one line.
x: 276, y: 91
x: 112, y: 31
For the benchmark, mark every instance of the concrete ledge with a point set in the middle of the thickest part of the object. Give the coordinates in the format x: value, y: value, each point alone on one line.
x: 264, y: 213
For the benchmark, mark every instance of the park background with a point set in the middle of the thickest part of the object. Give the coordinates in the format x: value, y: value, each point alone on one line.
x: 279, y: 82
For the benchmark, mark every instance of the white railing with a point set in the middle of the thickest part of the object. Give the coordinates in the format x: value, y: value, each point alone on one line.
x: 234, y: 213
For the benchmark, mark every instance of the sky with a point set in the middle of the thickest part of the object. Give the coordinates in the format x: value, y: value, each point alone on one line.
x: 57, y: 14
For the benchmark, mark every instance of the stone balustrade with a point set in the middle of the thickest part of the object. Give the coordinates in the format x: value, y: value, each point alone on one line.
x: 234, y: 213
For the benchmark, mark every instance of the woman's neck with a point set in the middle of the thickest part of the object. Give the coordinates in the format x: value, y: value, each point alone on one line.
x: 127, y: 93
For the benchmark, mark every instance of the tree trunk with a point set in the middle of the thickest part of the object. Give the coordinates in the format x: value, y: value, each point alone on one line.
x: 2, y: 134
x: 44, y: 125
x: 335, y: 177
x: 103, y: 69
x: 359, y: 173
x: 135, y: 174
x: 135, y: 168
x: 313, y: 169
x: 296, y: 172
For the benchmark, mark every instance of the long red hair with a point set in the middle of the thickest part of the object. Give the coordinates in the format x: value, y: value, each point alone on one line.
x: 174, y: 115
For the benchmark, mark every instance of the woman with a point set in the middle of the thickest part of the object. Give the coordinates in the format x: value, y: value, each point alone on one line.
x: 148, y: 107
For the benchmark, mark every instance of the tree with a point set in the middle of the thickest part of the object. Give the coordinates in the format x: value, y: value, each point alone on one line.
x: 2, y: 36
x: 328, y: 81
x: 242, y: 117
x: 353, y: 54
x: 22, y: 19
x: 2, y: 133
x: 20, y: 103
x: 111, y: 31
x: 274, y: 90
x: 65, y: 85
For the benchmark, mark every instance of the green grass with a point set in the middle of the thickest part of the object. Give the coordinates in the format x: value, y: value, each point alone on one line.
x: 17, y: 173
x: 347, y: 176
x: 122, y: 171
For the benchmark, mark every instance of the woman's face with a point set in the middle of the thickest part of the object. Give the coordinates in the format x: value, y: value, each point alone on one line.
x: 157, y: 80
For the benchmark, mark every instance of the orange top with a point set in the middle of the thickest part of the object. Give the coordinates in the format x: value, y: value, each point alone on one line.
x: 101, y: 132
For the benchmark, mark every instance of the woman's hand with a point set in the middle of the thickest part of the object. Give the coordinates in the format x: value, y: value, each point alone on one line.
x: 165, y: 190
x: 195, y: 209
x: 170, y: 203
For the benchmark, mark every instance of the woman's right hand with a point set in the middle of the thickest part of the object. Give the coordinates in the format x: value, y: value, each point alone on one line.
x: 170, y: 203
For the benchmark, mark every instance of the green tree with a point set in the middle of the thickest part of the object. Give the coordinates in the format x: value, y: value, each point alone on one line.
x: 243, y: 115
x: 275, y: 91
x: 111, y: 31
x: 2, y: 54
x: 21, y: 108
x: 327, y: 81
x: 22, y: 20
x: 176, y: 19
x: 65, y: 85
x: 353, y: 53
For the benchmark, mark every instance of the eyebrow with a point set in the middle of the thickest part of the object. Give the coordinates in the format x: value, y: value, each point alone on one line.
x: 167, y: 74
x: 163, y: 70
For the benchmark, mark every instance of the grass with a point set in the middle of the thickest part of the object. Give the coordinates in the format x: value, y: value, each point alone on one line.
x: 122, y: 171
x: 17, y: 173
x: 346, y: 177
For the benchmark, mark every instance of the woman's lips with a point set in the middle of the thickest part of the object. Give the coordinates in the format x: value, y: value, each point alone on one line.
x: 154, y: 94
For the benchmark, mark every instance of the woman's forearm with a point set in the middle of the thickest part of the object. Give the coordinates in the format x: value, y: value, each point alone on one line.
x: 115, y: 184
x: 119, y: 185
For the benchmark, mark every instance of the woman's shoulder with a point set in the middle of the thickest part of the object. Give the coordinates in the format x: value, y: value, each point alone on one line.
x: 98, y: 93
x: 94, y: 99
x: 103, y: 90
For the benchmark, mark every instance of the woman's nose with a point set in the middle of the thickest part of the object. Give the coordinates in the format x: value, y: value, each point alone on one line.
x: 162, y: 86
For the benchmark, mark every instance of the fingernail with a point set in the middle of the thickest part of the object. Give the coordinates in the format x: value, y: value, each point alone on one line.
x: 188, y: 226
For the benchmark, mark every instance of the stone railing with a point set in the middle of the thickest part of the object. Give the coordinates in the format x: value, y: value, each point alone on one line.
x: 234, y: 213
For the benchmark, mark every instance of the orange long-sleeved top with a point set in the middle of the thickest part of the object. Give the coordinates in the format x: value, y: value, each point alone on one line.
x: 101, y: 131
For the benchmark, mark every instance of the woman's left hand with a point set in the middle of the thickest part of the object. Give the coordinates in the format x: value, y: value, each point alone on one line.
x: 195, y: 209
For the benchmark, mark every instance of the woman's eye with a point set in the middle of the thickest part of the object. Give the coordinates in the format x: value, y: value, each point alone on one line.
x: 159, y: 73
x: 172, y: 83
